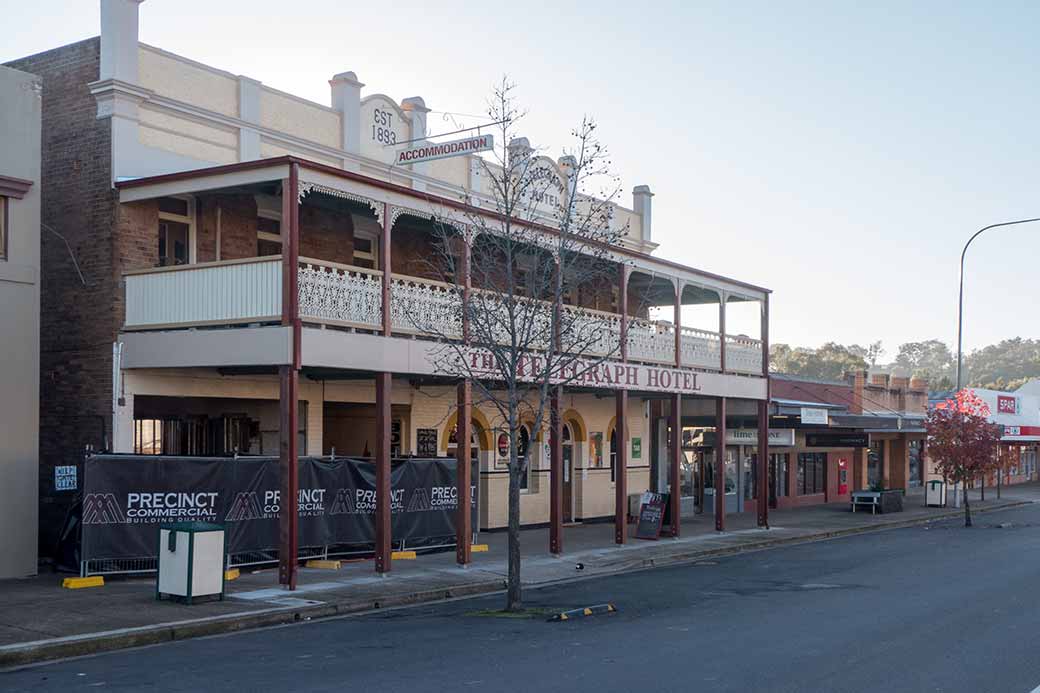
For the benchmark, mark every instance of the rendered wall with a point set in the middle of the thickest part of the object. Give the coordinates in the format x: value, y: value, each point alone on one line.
x: 20, y: 114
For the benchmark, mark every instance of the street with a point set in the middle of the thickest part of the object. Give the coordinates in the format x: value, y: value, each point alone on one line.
x: 936, y: 608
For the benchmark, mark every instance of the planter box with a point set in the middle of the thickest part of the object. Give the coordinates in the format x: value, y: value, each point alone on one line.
x: 892, y: 501
x: 889, y: 501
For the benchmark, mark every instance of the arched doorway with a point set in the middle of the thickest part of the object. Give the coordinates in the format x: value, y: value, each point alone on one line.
x: 477, y: 441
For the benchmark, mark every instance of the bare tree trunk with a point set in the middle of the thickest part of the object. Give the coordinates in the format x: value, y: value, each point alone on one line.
x: 982, y: 488
x: 513, y: 596
x: 1000, y: 477
x: 967, y: 509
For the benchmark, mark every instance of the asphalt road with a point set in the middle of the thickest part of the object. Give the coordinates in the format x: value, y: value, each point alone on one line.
x: 938, y: 609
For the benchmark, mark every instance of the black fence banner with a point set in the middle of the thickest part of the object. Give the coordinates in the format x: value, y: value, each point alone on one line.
x: 126, y: 497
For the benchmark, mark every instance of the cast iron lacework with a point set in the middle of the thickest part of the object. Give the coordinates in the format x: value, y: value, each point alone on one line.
x: 354, y: 297
x: 305, y: 187
x: 420, y: 306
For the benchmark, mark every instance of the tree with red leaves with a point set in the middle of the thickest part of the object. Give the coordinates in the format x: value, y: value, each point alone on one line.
x: 961, y: 440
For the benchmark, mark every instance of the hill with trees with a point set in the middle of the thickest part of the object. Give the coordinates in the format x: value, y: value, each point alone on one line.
x: 1003, y: 366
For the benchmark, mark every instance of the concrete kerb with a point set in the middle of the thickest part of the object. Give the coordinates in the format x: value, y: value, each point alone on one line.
x: 25, y: 654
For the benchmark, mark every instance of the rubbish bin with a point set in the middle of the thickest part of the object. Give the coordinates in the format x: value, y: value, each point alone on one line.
x: 191, y: 560
x: 935, y: 494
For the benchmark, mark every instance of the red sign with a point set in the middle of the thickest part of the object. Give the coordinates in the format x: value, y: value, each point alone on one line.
x: 503, y: 445
x: 1007, y: 404
x: 843, y: 476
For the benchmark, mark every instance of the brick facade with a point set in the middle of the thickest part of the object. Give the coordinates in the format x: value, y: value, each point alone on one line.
x: 78, y: 202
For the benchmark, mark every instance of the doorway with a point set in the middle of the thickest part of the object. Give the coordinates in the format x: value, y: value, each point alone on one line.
x: 568, y: 474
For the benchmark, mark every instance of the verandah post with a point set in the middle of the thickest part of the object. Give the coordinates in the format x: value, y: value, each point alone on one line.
x: 288, y: 394
x: 463, y: 432
x: 675, y: 422
x: 382, y: 463
x: 555, y: 473
x: 720, y: 464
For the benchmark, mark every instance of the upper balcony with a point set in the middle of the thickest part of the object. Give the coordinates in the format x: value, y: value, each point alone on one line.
x: 207, y: 251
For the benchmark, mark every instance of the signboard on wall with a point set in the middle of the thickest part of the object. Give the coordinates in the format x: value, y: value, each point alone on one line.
x: 778, y: 437
x: 426, y: 442
x: 65, y: 478
x: 637, y: 448
x: 813, y: 415
x: 837, y: 440
x: 1006, y: 404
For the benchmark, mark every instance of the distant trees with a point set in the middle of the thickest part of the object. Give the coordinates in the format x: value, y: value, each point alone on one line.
x: 931, y: 360
x: 830, y: 362
x: 1006, y: 365
x: 962, y: 442
x: 1003, y: 366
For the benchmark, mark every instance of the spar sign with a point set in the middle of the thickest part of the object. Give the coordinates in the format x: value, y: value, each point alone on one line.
x: 442, y: 150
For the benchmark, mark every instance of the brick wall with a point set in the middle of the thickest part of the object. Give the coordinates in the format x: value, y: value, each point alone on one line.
x: 76, y: 328
x: 237, y: 227
x: 326, y: 234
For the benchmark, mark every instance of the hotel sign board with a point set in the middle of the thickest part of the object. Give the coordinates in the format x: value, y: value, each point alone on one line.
x: 428, y: 151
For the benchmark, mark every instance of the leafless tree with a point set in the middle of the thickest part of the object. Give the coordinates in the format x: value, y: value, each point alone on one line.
x: 542, y: 246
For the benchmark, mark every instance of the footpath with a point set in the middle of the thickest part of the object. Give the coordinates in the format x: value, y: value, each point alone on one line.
x: 40, y: 620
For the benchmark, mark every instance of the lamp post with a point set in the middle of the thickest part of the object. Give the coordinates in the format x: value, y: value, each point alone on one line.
x: 960, y: 328
x: 960, y: 297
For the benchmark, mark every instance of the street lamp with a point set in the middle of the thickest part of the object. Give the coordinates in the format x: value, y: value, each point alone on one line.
x: 960, y: 298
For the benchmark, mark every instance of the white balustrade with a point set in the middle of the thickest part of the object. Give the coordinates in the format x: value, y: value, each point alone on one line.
x: 340, y: 294
x: 205, y: 294
x: 743, y: 355
x: 421, y: 306
x: 592, y: 332
x: 651, y: 341
x: 244, y: 291
x: 700, y: 348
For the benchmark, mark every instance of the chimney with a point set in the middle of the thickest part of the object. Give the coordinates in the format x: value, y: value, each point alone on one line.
x: 119, y: 29
x: 641, y: 205
x: 919, y: 384
x: 859, y: 381
x: 416, y: 109
x: 519, y: 149
x: 879, y: 379
x: 346, y: 98
x: 567, y: 165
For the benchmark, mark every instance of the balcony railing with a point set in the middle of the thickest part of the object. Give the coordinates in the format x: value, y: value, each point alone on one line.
x: 205, y: 294
x: 250, y: 291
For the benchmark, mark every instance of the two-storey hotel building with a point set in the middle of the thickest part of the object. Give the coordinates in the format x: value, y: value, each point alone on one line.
x: 247, y: 259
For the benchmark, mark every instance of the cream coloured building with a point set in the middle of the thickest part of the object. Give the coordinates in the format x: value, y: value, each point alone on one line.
x: 19, y: 319
x: 263, y: 243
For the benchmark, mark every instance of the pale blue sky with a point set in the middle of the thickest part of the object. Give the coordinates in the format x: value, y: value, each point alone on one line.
x: 836, y: 153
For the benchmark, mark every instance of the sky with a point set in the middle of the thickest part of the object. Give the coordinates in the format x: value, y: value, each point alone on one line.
x: 837, y: 153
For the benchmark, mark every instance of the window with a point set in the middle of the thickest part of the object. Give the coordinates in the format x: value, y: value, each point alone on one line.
x: 176, y: 232
x: 810, y: 473
x: 778, y: 470
x: 268, y: 233
x: 453, y: 442
x: 915, y: 463
x: 875, y: 463
x: 366, y: 251
x: 613, y: 455
x: 3, y: 228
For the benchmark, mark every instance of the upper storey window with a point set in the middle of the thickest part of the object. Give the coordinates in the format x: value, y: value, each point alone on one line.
x: 176, y: 231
